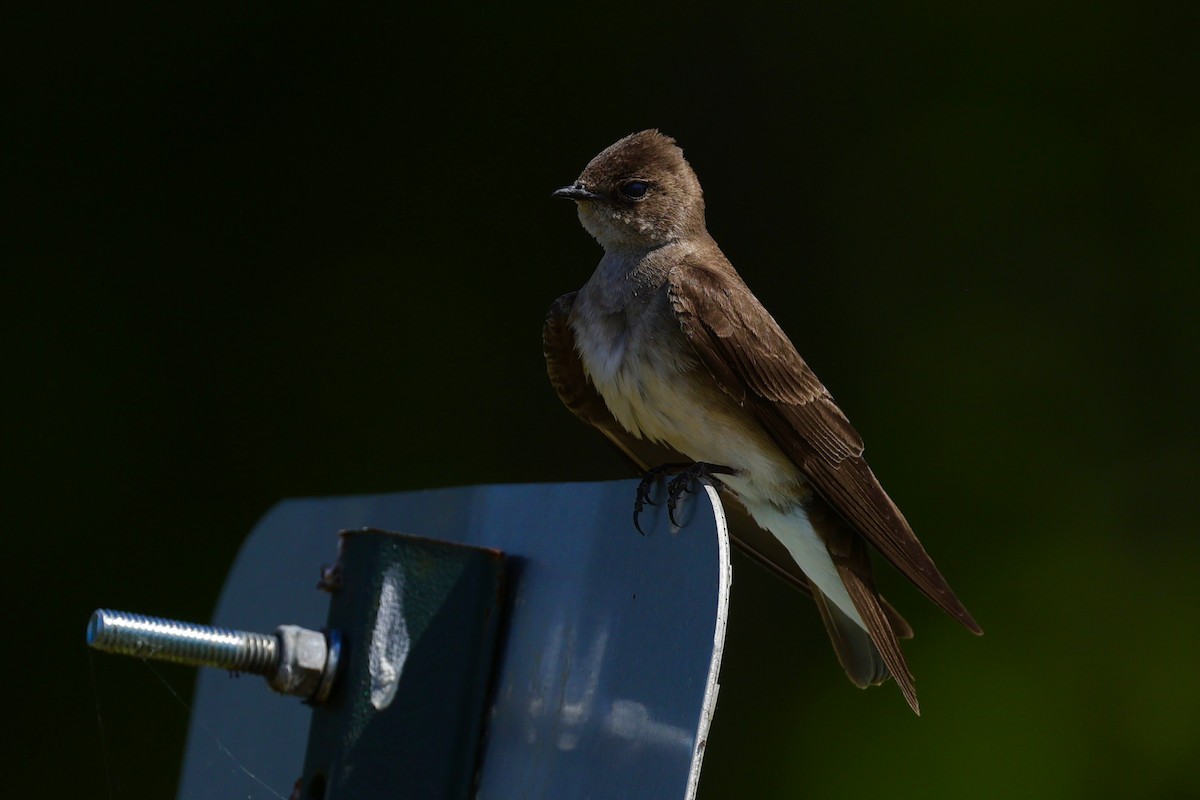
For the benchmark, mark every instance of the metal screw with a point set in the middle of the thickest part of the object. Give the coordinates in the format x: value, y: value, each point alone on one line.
x: 294, y: 660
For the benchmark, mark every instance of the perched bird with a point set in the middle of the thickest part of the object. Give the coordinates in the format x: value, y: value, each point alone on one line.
x: 666, y: 350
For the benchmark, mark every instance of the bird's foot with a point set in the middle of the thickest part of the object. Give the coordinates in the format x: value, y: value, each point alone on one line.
x: 678, y: 486
x: 642, y: 499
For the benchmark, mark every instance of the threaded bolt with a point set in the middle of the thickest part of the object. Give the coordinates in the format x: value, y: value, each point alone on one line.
x: 182, y: 642
x: 294, y: 660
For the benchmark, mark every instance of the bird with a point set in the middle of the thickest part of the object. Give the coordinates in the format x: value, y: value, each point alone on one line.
x: 667, y: 352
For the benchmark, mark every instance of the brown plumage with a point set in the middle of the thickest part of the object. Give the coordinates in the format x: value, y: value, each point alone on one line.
x: 667, y: 352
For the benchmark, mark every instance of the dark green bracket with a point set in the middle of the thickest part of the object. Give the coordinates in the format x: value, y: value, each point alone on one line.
x: 418, y: 620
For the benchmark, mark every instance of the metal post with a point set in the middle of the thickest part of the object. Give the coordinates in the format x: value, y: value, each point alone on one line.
x: 418, y: 620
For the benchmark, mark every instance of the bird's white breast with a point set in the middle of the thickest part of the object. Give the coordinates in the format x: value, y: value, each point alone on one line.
x: 651, y: 380
x: 645, y: 386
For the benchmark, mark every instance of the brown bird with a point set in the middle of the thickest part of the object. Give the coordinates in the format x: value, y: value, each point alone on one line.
x: 666, y: 351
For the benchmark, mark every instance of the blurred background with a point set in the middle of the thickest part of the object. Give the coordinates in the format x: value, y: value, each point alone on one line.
x: 296, y: 250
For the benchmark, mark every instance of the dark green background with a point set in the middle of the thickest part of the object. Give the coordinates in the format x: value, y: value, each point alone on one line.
x: 296, y: 250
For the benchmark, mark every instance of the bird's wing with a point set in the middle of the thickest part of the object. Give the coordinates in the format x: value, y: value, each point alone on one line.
x: 863, y: 662
x: 755, y: 363
x: 580, y: 396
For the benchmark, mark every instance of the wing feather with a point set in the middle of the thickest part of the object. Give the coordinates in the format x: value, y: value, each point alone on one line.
x: 752, y: 359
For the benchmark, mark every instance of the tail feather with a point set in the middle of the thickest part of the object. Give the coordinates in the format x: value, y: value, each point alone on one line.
x: 853, y: 564
x: 855, y: 651
x: 866, y: 602
x: 863, y: 628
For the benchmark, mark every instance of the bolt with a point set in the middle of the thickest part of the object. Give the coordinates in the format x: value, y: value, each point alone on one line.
x: 294, y: 660
x: 182, y: 642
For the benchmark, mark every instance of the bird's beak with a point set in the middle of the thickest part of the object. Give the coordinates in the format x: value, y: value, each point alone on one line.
x: 576, y: 192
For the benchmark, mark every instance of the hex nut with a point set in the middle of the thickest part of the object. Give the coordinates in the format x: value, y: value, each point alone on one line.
x: 303, y: 655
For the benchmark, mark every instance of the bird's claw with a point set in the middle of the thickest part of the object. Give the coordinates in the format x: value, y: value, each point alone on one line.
x: 642, y: 499
x: 677, y: 487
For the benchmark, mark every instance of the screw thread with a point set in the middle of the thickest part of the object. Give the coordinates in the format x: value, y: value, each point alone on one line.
x: 182, y: 642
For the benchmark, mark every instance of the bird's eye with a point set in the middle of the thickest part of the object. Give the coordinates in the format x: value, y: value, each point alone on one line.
x: 634, y: 190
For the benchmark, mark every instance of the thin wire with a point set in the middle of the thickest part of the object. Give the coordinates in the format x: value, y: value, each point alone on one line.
x: 216, y: 739
x: 108, y: 774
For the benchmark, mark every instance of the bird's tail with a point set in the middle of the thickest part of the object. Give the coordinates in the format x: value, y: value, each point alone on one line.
x: 864, y: 629
x: 856, y: 650
x: 853, y: 563
x: 857, y: 654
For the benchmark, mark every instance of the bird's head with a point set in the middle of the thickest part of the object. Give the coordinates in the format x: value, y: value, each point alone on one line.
x: 638, y: 193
